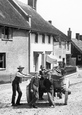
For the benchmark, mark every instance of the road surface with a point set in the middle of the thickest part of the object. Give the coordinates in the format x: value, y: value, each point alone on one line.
x: 74, y: 106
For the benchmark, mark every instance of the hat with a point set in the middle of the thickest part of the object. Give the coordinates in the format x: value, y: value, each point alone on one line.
x: 20, y: 67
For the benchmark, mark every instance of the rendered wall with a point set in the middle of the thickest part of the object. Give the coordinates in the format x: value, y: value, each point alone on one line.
x: 61, y: 52
x: 40, y: 48
x: 16, y: 53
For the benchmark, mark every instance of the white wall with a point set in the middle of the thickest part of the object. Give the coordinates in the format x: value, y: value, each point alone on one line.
x: 61, y: 51
x: 39, y: 47
x: 16, y: 52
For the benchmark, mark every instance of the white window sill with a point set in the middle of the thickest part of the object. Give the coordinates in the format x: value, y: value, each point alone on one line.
x: 2, y: 69
x: 3, y: 39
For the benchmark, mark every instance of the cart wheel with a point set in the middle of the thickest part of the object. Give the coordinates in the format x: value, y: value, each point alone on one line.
x: 66, y: 97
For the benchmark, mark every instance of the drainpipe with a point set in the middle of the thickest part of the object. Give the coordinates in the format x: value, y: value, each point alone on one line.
x: 28, y: 19
x: 29, y: 53
x: 29, y: 40
x: 53, y: 48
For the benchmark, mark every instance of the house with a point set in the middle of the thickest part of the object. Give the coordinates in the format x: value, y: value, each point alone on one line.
x: 14, y: 36
x: 62, y: 47
x: 42, y: 36
x: 76, y: 49
x: 26, y: 39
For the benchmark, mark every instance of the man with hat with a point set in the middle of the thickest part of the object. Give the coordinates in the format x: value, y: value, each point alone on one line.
x: 15, y: 86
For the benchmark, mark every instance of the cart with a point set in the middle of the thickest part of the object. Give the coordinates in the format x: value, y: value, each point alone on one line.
x: 61, y: 85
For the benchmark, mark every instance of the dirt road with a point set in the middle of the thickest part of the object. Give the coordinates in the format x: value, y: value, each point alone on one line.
x: 74, y: 106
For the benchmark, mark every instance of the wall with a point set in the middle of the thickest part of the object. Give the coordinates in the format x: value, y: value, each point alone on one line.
x: 61, y: 52
x: 39, y: 48
x: 16, y: 53
x: 75, y: 54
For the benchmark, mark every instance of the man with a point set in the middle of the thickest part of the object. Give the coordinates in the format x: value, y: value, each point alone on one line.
x: 34, y: 89
x: 41, y: 88
x: 48, y: 83
x: 16, y: 87
x: 41, y: 85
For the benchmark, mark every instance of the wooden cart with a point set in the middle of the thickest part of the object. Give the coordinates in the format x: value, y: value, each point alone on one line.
x: 61, y: 85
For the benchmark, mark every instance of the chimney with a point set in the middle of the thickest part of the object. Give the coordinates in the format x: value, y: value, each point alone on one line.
x: 69, y: 33
x: 77, y: 36
x: 80, y: 37
x: 50, y: 21
x: 32, y: 3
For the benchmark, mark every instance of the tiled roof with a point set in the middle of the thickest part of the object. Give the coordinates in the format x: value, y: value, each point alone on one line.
x: 77, y: 44
x: 10, y: 17
x: 39, y: 24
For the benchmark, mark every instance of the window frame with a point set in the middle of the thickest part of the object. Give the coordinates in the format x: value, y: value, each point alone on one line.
x: 68, y: 45
x: 49, y: 39
x: 65, y: 45
x: 7, y: 33
x: 55, y: 39
x: 79, y: 57
x: 43, y: 38
x: 3, y: 60
x: 60, y: 44
x: 36, y: 38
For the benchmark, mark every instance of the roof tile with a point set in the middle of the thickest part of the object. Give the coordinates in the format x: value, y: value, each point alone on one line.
x: 39, y: 24
x: 77, y: 43
x: 10, y: 17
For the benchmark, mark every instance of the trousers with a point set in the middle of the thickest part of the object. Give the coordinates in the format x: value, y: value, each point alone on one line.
x: 16, y: 87
x: 51, y: 97
x: 35, y: 97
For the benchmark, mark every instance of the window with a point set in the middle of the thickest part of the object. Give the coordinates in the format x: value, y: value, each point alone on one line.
x: 59, y: 44
x: 79, y: 57
x: 2, y: 60
x: 60, y: 57
x: 55, y: 39
x: 67, y: 45
x: 36, y: 38
x: 7, y: 33
x: 43, y: 38
x: 49, y: 39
